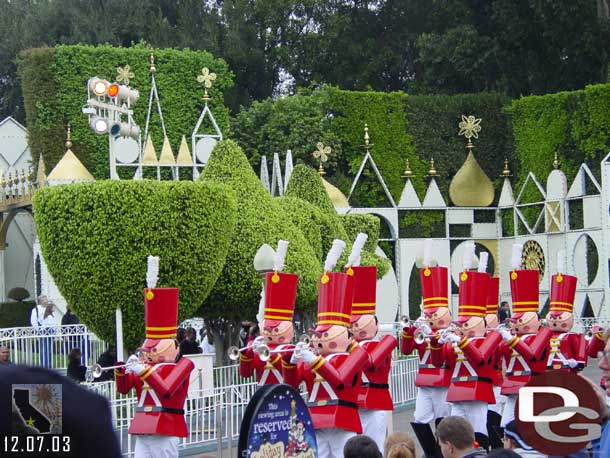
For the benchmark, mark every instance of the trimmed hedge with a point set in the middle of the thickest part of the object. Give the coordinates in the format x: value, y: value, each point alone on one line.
x: 260, y: 220
x: 15, y: 314
x: 307, y: 218
x: 369, y: 224
x: 54, y: 84
x: 95, y: 238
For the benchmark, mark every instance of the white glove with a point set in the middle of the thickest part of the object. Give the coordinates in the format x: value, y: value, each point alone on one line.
x: 572, y: 363
x: 296, y: 357
x: 308, y: 355
x: 506, y: 335
x: 260, y: 340
x: 450, y: 337
x: 425, y: 329
x: 134, y: 365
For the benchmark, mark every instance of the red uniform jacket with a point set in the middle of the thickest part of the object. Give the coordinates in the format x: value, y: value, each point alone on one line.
x: 525, y: 356
x: 333, y: 383
x: 161, y: 391
x: 566, y: 345
x: 267, y: 372
x: 478, y: 355
x: 428, y: 374
x: 498, y: 374
x: 374, y: 392
x: 595, y: 345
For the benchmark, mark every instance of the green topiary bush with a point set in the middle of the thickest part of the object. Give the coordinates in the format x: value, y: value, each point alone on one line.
x: 95, y: 238
x: 307, y: 218
x: 15, y: 314
x: 306, y: 184
x: 356, y: 223
x: 260, y: 220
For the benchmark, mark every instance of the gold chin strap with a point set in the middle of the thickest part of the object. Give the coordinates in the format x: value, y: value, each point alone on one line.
x: 523, y: 324
x: 466, y: 329
x: 156, y: 352
x: 365, y: 325
x: 326, y: 339
x: 275, y: 334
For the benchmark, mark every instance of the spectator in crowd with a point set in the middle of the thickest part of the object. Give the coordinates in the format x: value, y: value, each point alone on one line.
x: 189, y: 345
x: 44, y: 316
x: 456, y: 439
x: 107, y: 359
x: 5, y: 355
x: 76, y: 371
x: 69, y: 318
x: 503, y: 453
x: 399, y: 445
x: 604, y: 365
x: 361, y: 446
x: 85, y: 416
x: 253, y: 333
x: 180, y: 335
x: 244, y: 332
x: 71, y: 341
x: 503, y: 312
x: 514, y: 442
x: 207, y: 342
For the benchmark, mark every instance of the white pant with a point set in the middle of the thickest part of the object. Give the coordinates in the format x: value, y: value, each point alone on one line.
x: 431, y: 403
x: 474, y: 411
x: 156, y: 446
x: 374, y: 425
x: 508, y: 414
x: 331, y: 442
x: 500, y: 400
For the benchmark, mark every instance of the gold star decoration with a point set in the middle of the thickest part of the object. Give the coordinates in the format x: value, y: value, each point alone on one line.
x: 30, y: 421
x: 124, y: 74
x: 470, y: 127
x: 206, y: 78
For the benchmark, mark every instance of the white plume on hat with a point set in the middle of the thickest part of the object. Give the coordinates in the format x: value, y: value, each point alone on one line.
x: 152, y: 272
x: 515, y: 260
x: 470, y: 260
x: 280, y: 255
x: 483, y: 258
x: 333, y: 255
x: 561, y: 262
x: 354, y: 257
x: 427, y: 252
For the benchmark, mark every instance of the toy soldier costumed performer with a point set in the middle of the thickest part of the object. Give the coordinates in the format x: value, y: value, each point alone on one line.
x: 333, y: 376
x: 160, y: 382
x: 568, y: 350
x: 470, y: 356
x: 432, y: 382
x: 276, y: 327
x: 374, y: 397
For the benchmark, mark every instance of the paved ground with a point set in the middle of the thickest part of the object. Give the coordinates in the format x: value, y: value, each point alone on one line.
x: 402, y: 418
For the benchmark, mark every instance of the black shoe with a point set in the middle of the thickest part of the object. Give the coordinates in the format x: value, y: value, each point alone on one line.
x: 426, y: 439
x: 493, y: 422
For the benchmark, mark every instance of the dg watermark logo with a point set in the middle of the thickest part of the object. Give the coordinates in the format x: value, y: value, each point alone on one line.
x: 557, y: 413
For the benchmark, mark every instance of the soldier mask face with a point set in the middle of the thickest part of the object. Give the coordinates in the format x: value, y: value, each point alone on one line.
x: 440, y: 319
x: 561, y: 323
x: 474, y: 327
x: 281, y: 333
x: 165, y: 351
x: 365, y: 328
x: 334, y: 340
x: 527, y: 323
x: 492, y: 320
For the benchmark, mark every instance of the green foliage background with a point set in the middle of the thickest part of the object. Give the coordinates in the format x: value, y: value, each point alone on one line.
x: 54, y: 84
x: 15, y: 314
x: 95, y: 238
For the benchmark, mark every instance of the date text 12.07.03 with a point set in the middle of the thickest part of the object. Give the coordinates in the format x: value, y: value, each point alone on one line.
x: 45, y: 443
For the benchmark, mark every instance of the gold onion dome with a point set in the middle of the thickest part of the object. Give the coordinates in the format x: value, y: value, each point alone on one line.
x: 470, y: 186
x: 336, y: 196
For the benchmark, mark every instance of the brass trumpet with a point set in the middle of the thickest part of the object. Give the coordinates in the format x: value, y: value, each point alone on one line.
x: 97, y: 370
x: 263, y: 350
x: 504, y: 326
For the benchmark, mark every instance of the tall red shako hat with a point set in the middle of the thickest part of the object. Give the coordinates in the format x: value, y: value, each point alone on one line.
x: 364, y: 281
x: 280, y: 290
x: 563, y: 289
x: 160, y: 308
x: 523, y: 286
x: 493, y: 293
x: 335, y: 293
x: 434, y: 283
x: 473, y: 288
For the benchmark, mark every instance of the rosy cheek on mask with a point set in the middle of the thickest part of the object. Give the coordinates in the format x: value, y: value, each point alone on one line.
x: 440, y: 322
x: 282, y: 339
x: 332, y: 345
x: 525, y: 329
x: 564, y: 325
x: 362, y: 333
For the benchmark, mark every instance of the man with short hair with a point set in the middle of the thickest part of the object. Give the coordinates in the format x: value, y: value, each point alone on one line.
x: 361, y: 446
x: 503, y: 312
x: 456, y: 439
x: 5, y: 355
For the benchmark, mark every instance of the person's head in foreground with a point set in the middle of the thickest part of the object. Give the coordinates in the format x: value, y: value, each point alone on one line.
x: 361, y: 446
x: 512, y: 438
x: 399, y: 445
x: 456, y: 437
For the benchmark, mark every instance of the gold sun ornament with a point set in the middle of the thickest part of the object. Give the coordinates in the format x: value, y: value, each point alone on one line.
x: 206, y: 78
x: 124, y: 74
x: 470, y: 127
x: 321, y: 153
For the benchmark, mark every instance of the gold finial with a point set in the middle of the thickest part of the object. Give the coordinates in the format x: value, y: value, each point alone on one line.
x: 152, y: 67
x: 408, y: 173
x: 124, y: 75
x: 322, y: 152
x: 68, y: 139
x: 470, y: 128
x: 366, y: 135
x: 506, y: 171
x: 432, y: 170
x: 206, y: 78
x: 556, y: 163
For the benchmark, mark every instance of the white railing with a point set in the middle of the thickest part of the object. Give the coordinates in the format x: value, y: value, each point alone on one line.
x: 49, y: 346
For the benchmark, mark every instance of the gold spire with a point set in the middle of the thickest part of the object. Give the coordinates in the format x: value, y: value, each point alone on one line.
x: 150, y: 156
x: 152, y: 67
x: 68, y: 168
x: 68, y: 138
x: 322, y: 152
x: 408, y: 173
x: 556, y: 163
x: 506, y: 171
x: 167, y: 155
x: 206, y: 78
x: 366, y: 135
x: 184, y: 155
x: 432, y: 170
